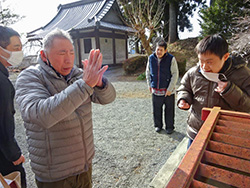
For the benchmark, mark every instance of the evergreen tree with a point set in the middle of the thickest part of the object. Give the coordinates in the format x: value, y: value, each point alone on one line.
x: 179, y: 13
x: 221, y: 17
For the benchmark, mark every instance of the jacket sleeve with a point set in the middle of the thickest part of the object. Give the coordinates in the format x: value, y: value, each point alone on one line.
x: 39, y: 107
x: 175, y: 75
x: 8, y: 144
x: 238, y: 97
x: 104, y: 95
x: 185, y: 90
x: 147, y: 73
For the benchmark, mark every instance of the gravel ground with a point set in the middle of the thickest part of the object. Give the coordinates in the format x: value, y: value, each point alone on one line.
x: 129, y: 152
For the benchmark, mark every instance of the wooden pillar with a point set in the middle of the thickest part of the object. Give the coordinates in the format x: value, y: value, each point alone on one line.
x: 114, y: 49
x: 126, y: 45
x: 79, y: 52
x: 97, y: 39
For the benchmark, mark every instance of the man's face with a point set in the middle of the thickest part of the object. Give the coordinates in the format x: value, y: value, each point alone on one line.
x: 15, y: 45
x: 61, y: 56
x: 211, y: 63
x: 160, y: 51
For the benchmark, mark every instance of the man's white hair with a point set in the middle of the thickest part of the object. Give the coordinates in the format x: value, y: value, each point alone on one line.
x: 56, y: 33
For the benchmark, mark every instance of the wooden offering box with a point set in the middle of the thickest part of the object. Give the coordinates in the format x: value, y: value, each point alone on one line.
x: 220, y: 154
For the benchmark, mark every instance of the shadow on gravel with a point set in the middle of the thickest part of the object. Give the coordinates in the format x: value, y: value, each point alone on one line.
x: 175, y: 135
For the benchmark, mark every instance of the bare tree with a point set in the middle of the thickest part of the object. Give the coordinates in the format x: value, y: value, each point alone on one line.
x: 144, y: 16
x: 7, y: 17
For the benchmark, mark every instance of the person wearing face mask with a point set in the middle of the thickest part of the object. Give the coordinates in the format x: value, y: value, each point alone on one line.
x: 11, y: 54
x: 219, y: 79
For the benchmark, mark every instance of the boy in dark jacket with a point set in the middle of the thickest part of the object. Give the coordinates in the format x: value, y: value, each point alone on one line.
x: 162, y: 74
x: 218, y: 80
x: 11, y: 158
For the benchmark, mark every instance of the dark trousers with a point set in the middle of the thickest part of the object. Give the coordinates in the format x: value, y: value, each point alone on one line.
x: 169, y: 112
x: 7, y: 167
x: 190, y: 141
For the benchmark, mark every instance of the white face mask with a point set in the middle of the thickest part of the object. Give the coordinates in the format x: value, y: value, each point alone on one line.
x: 15, y: 58
x: 214, y: 77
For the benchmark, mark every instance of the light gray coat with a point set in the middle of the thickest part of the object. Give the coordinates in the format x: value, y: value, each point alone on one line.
x: 57, y: 116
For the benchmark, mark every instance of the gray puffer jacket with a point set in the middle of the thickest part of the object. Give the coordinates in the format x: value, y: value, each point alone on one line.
x: 199, y: 92
x: 57, y: 116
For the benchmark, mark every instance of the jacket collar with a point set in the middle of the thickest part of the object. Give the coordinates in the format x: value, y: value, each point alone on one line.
x: 165, y: 55
x: 227, y: 65
x: 233, y: 62
x: 4, y: 70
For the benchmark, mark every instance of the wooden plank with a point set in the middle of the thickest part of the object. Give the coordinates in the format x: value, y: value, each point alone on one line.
x: 227, y: 161
x: 235, y: 114
x: 223, y: 143
x: 232, y: 124
x: 224, y: 176
x: 199, y: 184
x: 235, y: 151
x: 231, y: 139
x: 233, y: 131
x: 235, y: 118
x: 228, y: 115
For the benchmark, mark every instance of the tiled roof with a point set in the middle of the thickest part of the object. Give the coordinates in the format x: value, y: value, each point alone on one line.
x: 79, y: 15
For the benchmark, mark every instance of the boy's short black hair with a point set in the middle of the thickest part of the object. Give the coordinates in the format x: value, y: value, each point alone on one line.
x: 162, y: 43
x: 215, y: 44
x: 5, y: 34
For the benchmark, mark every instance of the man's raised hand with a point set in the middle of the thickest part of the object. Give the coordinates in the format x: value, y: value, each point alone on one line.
x: 92, y: 69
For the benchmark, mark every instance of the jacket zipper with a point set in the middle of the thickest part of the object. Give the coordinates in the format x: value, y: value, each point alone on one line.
x: 82, y: 129
x: 158, y: 80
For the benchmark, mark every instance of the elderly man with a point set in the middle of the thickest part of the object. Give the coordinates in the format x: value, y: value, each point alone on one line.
x: 55, y: 102
x: 11, y: 157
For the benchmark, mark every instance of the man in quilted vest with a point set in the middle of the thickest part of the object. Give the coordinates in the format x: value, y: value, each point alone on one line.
x: 162, y: 74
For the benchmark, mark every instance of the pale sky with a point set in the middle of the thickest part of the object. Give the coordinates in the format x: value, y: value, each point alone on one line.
x: 39, y: 13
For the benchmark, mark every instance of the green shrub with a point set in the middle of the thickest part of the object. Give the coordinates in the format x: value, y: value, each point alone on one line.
x: 142, y: 76
x: 135, y: 64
